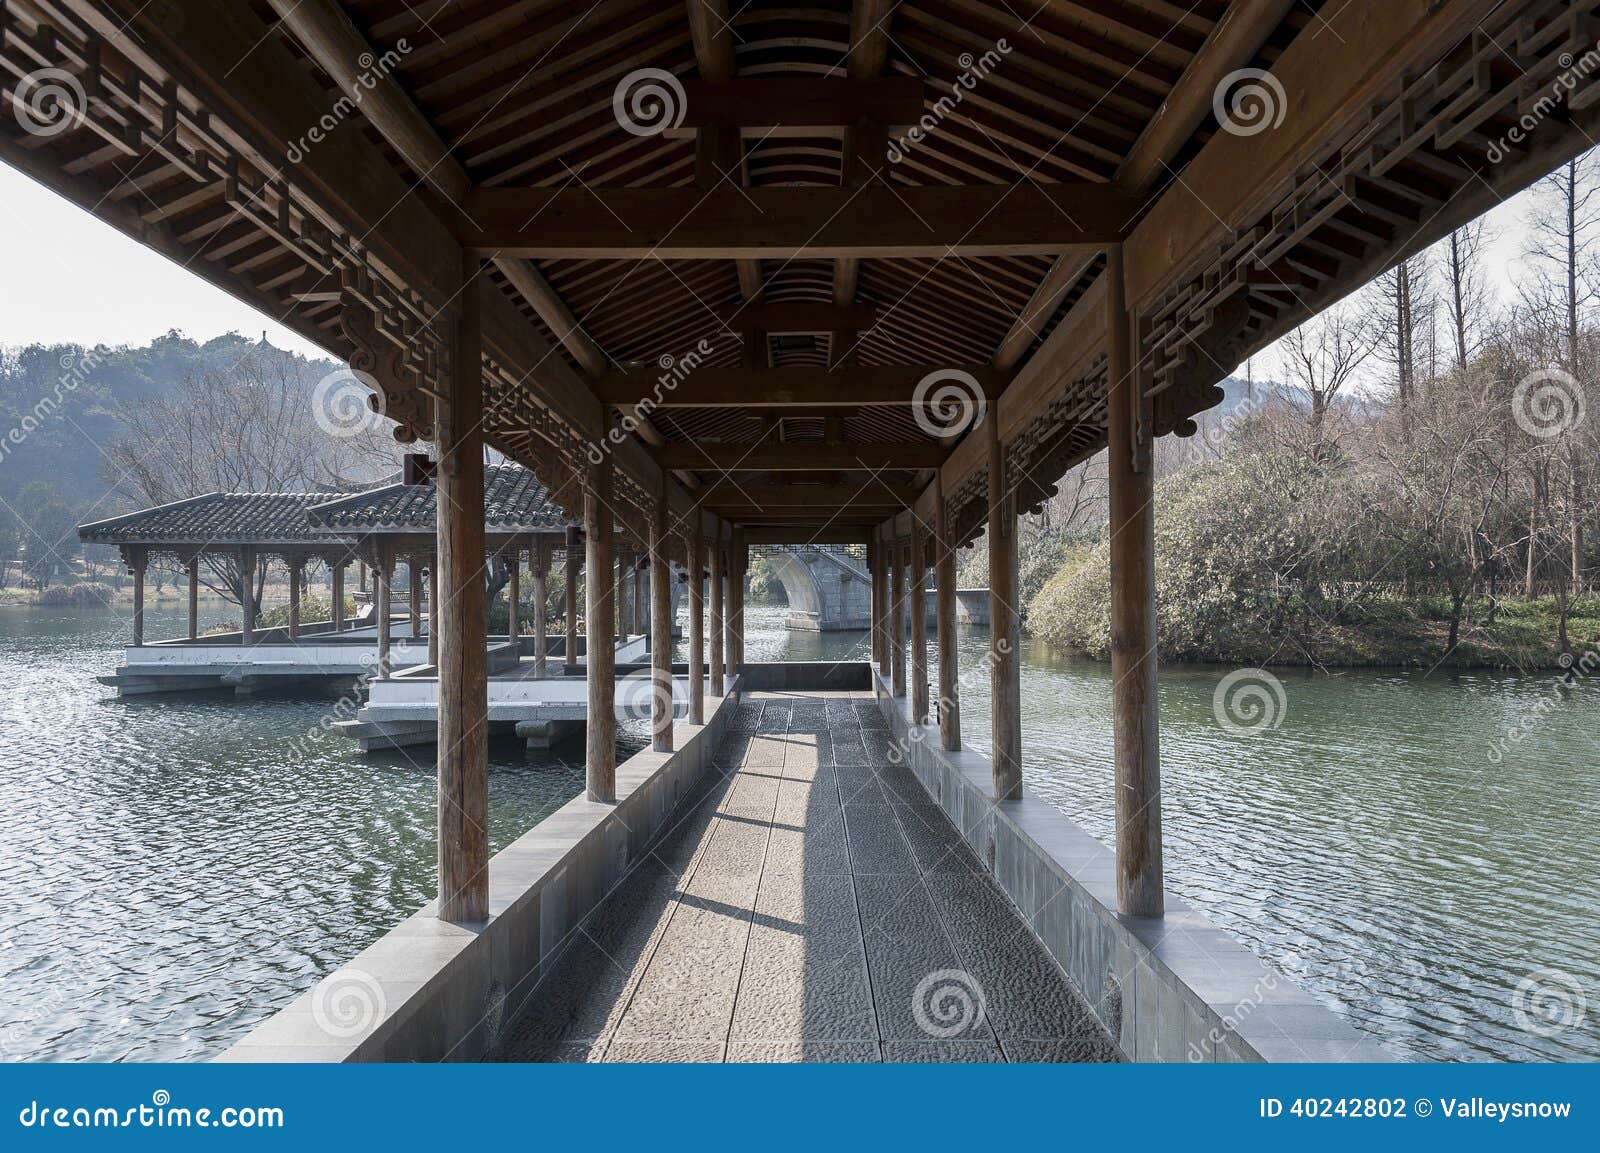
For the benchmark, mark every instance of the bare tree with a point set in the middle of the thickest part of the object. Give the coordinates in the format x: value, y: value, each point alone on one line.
x: 1321, y: 358
x: 1465, y: 300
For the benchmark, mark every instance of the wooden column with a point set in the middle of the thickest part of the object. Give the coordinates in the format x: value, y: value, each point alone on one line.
x: 296, y: 573
x: 137, y: 559
x: 660, y: 628
x: 718, y: 628
x: 880, y: 585
x: 640, y: 602
x: 414, y: 593
x: 620, y: 600
x: 945, y: 611
x: 434, y: 626
x: 456, y: 621
x: 338, y: 595
x: 897, y: 618
x: 573, y: 543
x: 513, y: 592
x: 361, y: 575
x: 600, y: 765
x: 247, y: 602
x: 540, y: 557
x: 738, y: 563
x: 380, y: 580
x: 918, y: 576
x: 194, y: 596
x: 1137, y: 748
x: 697, y: 621
x: 1005, y: 626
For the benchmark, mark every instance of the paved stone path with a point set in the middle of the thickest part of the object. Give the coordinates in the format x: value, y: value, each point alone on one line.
x: 812, y: 903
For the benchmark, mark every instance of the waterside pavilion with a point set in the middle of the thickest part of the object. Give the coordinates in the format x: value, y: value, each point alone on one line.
x: 706, y: 269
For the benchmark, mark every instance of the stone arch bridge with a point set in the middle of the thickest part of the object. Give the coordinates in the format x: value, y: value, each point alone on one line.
x: 830, y: 590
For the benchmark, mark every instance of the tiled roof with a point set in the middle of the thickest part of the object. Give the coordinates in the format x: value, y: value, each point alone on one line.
x: 513, y: 501
x: 218, y: 518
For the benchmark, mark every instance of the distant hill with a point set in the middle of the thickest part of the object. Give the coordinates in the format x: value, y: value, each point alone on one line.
x: 60, y: 404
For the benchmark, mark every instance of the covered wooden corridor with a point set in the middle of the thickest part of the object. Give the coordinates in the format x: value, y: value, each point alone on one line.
x: 726, y: 275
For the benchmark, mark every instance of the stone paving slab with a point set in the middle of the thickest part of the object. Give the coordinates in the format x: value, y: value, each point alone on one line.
x: 810, y: 903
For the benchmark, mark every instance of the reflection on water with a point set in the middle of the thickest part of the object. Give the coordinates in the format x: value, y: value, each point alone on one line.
x: 1386, y: 845
x: 172, y: 871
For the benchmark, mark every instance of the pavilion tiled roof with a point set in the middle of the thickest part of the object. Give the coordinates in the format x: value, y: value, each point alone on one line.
x: 513, y: 501
x: 218, y: 518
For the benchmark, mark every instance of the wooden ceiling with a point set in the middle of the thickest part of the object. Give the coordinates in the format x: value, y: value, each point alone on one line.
x: 797, y: 265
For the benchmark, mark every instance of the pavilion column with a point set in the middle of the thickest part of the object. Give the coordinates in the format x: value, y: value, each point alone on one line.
x: 194, y: 596
x: 247, y: 599
x: 875, y: 600
x: 880, y: 584
x: 641, y: 606
x: 660, y: 628
x: 296, y: 576
x: 918, y: 576
x: 513, y: 591
x: 456, y: 615
x: 338, y: 596
x: 620, y: 601
x: 600, y: 771
x: 945, y: 610
x: 434, y: 627
x: 137, y: 559
x: 738, y: 566
x: 1005, y: 626
x: 414, y: 592
x: 1136, y: 742
x: 541, y: 579
x: 697, y: 639
x: 897, y: 620
x: 572, y: 596
x: 718, y: 629
x: 380, y: 580
x: 361, y: 575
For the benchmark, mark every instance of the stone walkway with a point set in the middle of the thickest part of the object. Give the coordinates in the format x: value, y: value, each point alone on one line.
x: 812, y: 903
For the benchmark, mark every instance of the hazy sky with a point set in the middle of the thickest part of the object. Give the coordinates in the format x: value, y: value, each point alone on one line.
x: 72, y: 278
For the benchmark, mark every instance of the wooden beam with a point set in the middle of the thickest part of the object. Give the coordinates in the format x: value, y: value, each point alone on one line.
x: 715, y: 457
x: 1233, y: 43
x: 329, y: 38
x: 1041, y: 306
x: 457, y: 617
x: 831, y: 534
x: 801, y: 316
x: 1136, y: 745
x: 799, y: 105
x: 846, y: 386
x: 806, y: 496
x: 711, y: 30
x: 787, y: 223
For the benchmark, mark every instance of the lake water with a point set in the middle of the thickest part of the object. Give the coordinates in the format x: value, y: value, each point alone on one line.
x: 172, y: 871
